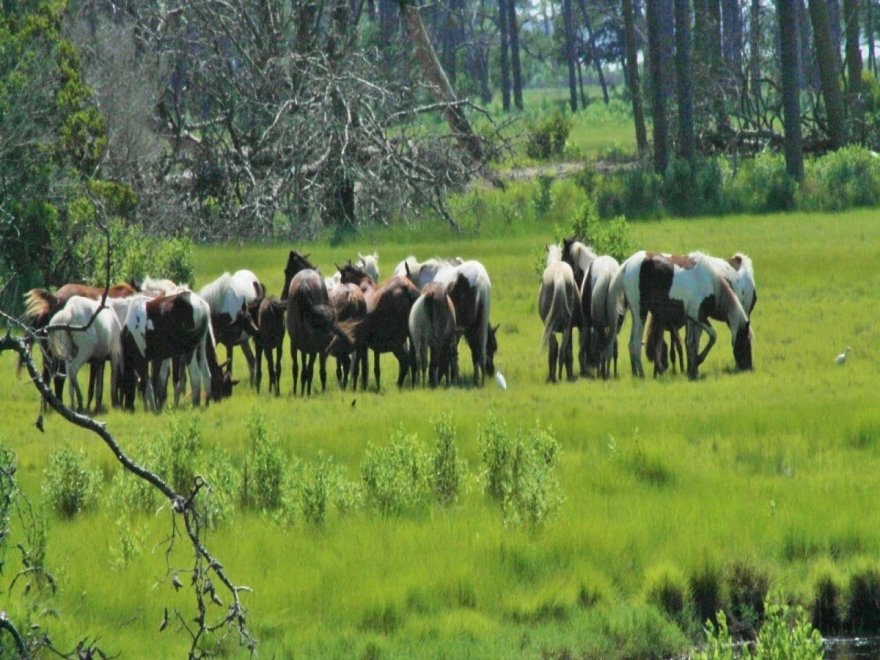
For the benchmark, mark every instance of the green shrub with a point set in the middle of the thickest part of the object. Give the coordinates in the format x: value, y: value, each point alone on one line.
x: 175, y: 451
x: 519, y: 472
x: 666, y: 589
x: 679, y: 194
x: 70, y: 486
x: 641, y: 193
x: 397, y: 477
x: 747, y: 587
x: 843, y: 179
x: 542, y: 199
x: 321, y: 486
x: 265, y: 467
x: 223, y: 487
x: 863, y: 608
x: 547, y: 138
x: 785, y: 635
x: 449, y: 469
x: 762, y: 185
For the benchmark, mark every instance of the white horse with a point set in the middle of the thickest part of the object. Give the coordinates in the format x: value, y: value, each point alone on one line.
x: 430, y: 270
x: 231, y: 299
x: 579, y: 257
x: 557, y: 301
x: 160, y: 286
x: 369, y: 264
x: 98, y: 343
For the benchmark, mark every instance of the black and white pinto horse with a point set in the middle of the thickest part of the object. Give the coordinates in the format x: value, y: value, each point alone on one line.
x: 682, y: 290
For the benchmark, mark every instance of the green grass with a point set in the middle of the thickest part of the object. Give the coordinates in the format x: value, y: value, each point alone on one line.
x: 774, y: 469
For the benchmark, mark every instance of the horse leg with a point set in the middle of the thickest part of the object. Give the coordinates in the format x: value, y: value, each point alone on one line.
x: 692, y: 343
x: 195, y: 377
x: 635, y: 344
x: 306, y: 374
x: 402, y: 355
x: 712, y: 338
x: 249, y: 356
x: 552, y: 355
x: 259, y: 367
x: 96, y: 375
x: 295, y: 367
x: 322, y: 370
x: 278, y: 352
x: 376, y: 369
x: 92, y: 384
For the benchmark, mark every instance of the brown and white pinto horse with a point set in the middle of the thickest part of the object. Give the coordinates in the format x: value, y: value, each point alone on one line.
x: 311, y: 322
x: 177, y: 326
x: 385, y: 328
x: 557, y: 305
x: 681, y: 290
x: 432, y: 327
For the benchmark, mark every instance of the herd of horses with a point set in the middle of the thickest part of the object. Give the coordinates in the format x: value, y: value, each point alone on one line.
x: 419, y: 314
x: 158, y: 328
x: 663, y: 292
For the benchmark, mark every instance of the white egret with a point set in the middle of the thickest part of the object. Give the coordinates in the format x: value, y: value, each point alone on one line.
x: 499, y: 378
x: 841, y: 359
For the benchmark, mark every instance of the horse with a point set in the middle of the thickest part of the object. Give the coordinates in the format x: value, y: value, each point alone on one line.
x: 232, y: 298
x: 159, y: 287
x: 369, y: 264
x: 350, y: 307
x: 598, y: 345
x: 579, y: 257
x: 385, y: 327
x: 96, y: 344
x: 432, y: 326
x: 269, y: 340
x: 311, y: 322
x: 557, y: 304
x: 176, y: 326
x: 682, y: 290
x: 41, y: 305
x: 422, y: 273
x: 470, y: 289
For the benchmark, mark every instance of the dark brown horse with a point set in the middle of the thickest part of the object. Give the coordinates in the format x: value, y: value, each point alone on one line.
x: 311, y: 322
x: 270, y: 340
x: 350, y: 308
x: 385, y: 328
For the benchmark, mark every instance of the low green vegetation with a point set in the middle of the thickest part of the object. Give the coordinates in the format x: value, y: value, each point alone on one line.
x: 591, y: 518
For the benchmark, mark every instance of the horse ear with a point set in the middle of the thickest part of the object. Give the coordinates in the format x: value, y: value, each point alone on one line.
x: 223, y: 365
x: 495, y: 329
x: 290, y: 256
x: 406, y: 266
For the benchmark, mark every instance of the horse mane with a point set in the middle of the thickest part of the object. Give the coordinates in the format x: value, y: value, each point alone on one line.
x: 728, y: 303
x: 554, y: 253
x: 214, y: 292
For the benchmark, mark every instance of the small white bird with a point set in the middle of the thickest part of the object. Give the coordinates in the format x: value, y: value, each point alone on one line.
x: 841, y: 359
x: 499, y: 378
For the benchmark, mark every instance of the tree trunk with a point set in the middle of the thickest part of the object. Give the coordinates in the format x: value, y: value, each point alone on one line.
x: 851, y: 10
x: 807, y: 74
x: 439, y: 83
x: 732, y: 40
x: 503, y: 32
x: 569, y: 53
x: 755, y: 48
x: 685, y: 94
x: 829, y: 69
x: 513, y: 30
x: 834, y: 23
x: 869, y: 29
x: 656, y: 66
x: 716, y: 66
x: 794, y: 153
x: 632, y: 77
x: 593, y: 51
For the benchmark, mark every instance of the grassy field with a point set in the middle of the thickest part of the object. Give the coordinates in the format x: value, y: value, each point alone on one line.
x: 774, y: 471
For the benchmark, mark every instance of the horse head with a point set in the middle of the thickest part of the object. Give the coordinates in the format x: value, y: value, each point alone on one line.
x: 491, y: 349
x: 351, y: 274
x: 742, y: 348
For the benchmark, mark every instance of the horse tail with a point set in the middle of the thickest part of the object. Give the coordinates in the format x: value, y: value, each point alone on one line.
x: 60, y: 342
x: 559, y: 307
x: 616, y: 302
x: 39, y: 307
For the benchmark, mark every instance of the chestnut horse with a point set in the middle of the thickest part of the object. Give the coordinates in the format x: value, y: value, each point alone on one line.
x: 385, y: 327
x: 311, y: 322
x: 270, y: 340
x: 350, y: 308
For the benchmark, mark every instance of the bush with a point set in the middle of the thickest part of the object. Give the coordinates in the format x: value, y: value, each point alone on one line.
x: 641, y: 193
x: 265, y: 467
x: 678, y: 189
x: 706, y: 591
x: 747, y: 586
x: 762, y: 185
x: 786, y: 634
x: 175, y: 451
x: 846, y: 178
x: 70, y: 486
x: 223, y: 487
x: 547, y: 138
x: 397, y: 477
x: 518, y: 473
x: 449, y: 469
x: 828, y: 605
